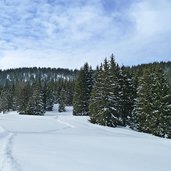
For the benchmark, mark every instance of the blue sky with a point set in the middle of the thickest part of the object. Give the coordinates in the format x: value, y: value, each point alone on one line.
x: 68, y: 33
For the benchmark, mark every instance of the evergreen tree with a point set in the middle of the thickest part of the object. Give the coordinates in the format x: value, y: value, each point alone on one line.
x: 83, y: 88
x: 69, y: 92
x: 96, y: 96
x: 7, y: 99
x: 61, y: 107
x: 126, y: 95
x: 35, y: 104
x: 48, y: 97
x: 161, y: 109
x: 22, y: 95
x: 103, y: 98
x: 4, y: 101
x: 152, y: 112
x: 143, y: 106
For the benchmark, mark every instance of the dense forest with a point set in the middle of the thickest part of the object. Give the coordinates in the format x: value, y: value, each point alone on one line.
x: 35, y: 90
x: 112, y: 95
x: 137, y: 96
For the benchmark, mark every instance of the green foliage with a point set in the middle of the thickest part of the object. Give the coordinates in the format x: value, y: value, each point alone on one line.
x: 17, y: 88
x: 62, y: 100
x: 83, y: 88
x: 120, y: 96
x: 103, y: 101
x: 152, y: 112
x: 48, y: 97
x: 22, y: 94
x: 7, y: 99
x: 126, y: 94
x: 138, y: 96
x: 35, y: 104
x: 4, y: 101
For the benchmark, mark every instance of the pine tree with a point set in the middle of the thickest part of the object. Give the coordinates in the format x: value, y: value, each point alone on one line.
x: 126, y: 95
x: 69, y: 92
x: 62, y: 100
x: 161, y: 109
x: 7, y: 99
x: 152, y: 112
x: 103, y: 98
x: 35, y: 104
x: 83, y: 88
x: 22, y: 95
x: 96, y: 100
x: 143, y: 103
x: 115, y: 89
x: 4, y: 101
x: 48, y: 97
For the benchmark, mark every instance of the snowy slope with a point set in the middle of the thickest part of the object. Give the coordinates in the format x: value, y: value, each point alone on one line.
x: 67, y: 143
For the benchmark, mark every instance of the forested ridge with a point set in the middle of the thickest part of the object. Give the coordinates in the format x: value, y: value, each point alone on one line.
x: 13, y: 76
x: 35, y: 90
x: 112, y: 95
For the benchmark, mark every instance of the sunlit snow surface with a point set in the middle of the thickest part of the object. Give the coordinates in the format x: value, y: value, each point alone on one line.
x: 62, y: 142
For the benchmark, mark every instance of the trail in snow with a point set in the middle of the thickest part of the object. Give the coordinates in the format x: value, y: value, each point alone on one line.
x: 8, y: 162
x: 66, y: 123
x: 60, y: 141
x: 7, y: 136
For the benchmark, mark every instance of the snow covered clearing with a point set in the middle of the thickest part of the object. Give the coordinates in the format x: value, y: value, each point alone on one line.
x: 60, y: 141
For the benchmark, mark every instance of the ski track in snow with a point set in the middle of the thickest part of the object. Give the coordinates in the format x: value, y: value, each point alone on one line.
x: 8, y: 162
x: 74, y: 139
x: 66, y: 123
x: 52, y: 131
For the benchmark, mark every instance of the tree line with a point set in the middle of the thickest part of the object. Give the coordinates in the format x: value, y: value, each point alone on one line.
x: 112, y: 95
x: 35, y: 90
x: 138, y: 96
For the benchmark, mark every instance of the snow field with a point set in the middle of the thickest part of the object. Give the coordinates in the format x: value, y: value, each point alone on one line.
x: 60, y: 141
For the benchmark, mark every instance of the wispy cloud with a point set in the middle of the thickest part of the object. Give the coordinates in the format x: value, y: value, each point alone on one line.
x: 65, y: 33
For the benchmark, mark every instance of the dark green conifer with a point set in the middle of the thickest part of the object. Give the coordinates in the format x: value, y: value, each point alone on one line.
x: 4, y: 100
x: 83, y: 88
x: 104, y: 95
x: 126, y: 95
x: 152, y: 112
x: 48, y: 97
x: 35, y: 104
x: 22, y: 94
x: 62, y: 99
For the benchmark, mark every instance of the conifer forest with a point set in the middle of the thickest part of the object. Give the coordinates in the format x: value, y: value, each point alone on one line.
x: 138, y: 97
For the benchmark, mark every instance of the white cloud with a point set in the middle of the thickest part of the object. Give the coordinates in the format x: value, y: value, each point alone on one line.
x: 67, y: 34
x: 152, y: 17
x: 151, y: 36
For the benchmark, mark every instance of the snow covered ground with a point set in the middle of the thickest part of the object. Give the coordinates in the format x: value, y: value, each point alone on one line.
x: 68, y: 143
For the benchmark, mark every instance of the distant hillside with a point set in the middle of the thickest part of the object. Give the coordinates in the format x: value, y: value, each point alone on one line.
x: 30, y: 89
x: 13, y: 76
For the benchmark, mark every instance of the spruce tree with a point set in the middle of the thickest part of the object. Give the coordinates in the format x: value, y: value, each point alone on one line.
x: 126, y: 95
x: 69, y: 91
x: 35, y: 104
x: 143, y: 103
x: 62, y: 100
x: 161, y: 109
x: 83, y: 88
x: 48, y: 97
x: 95, y: 99
x: 4, y: 100
x: 103, y: 101
x: 152, y: 111
x: 22, y: 94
